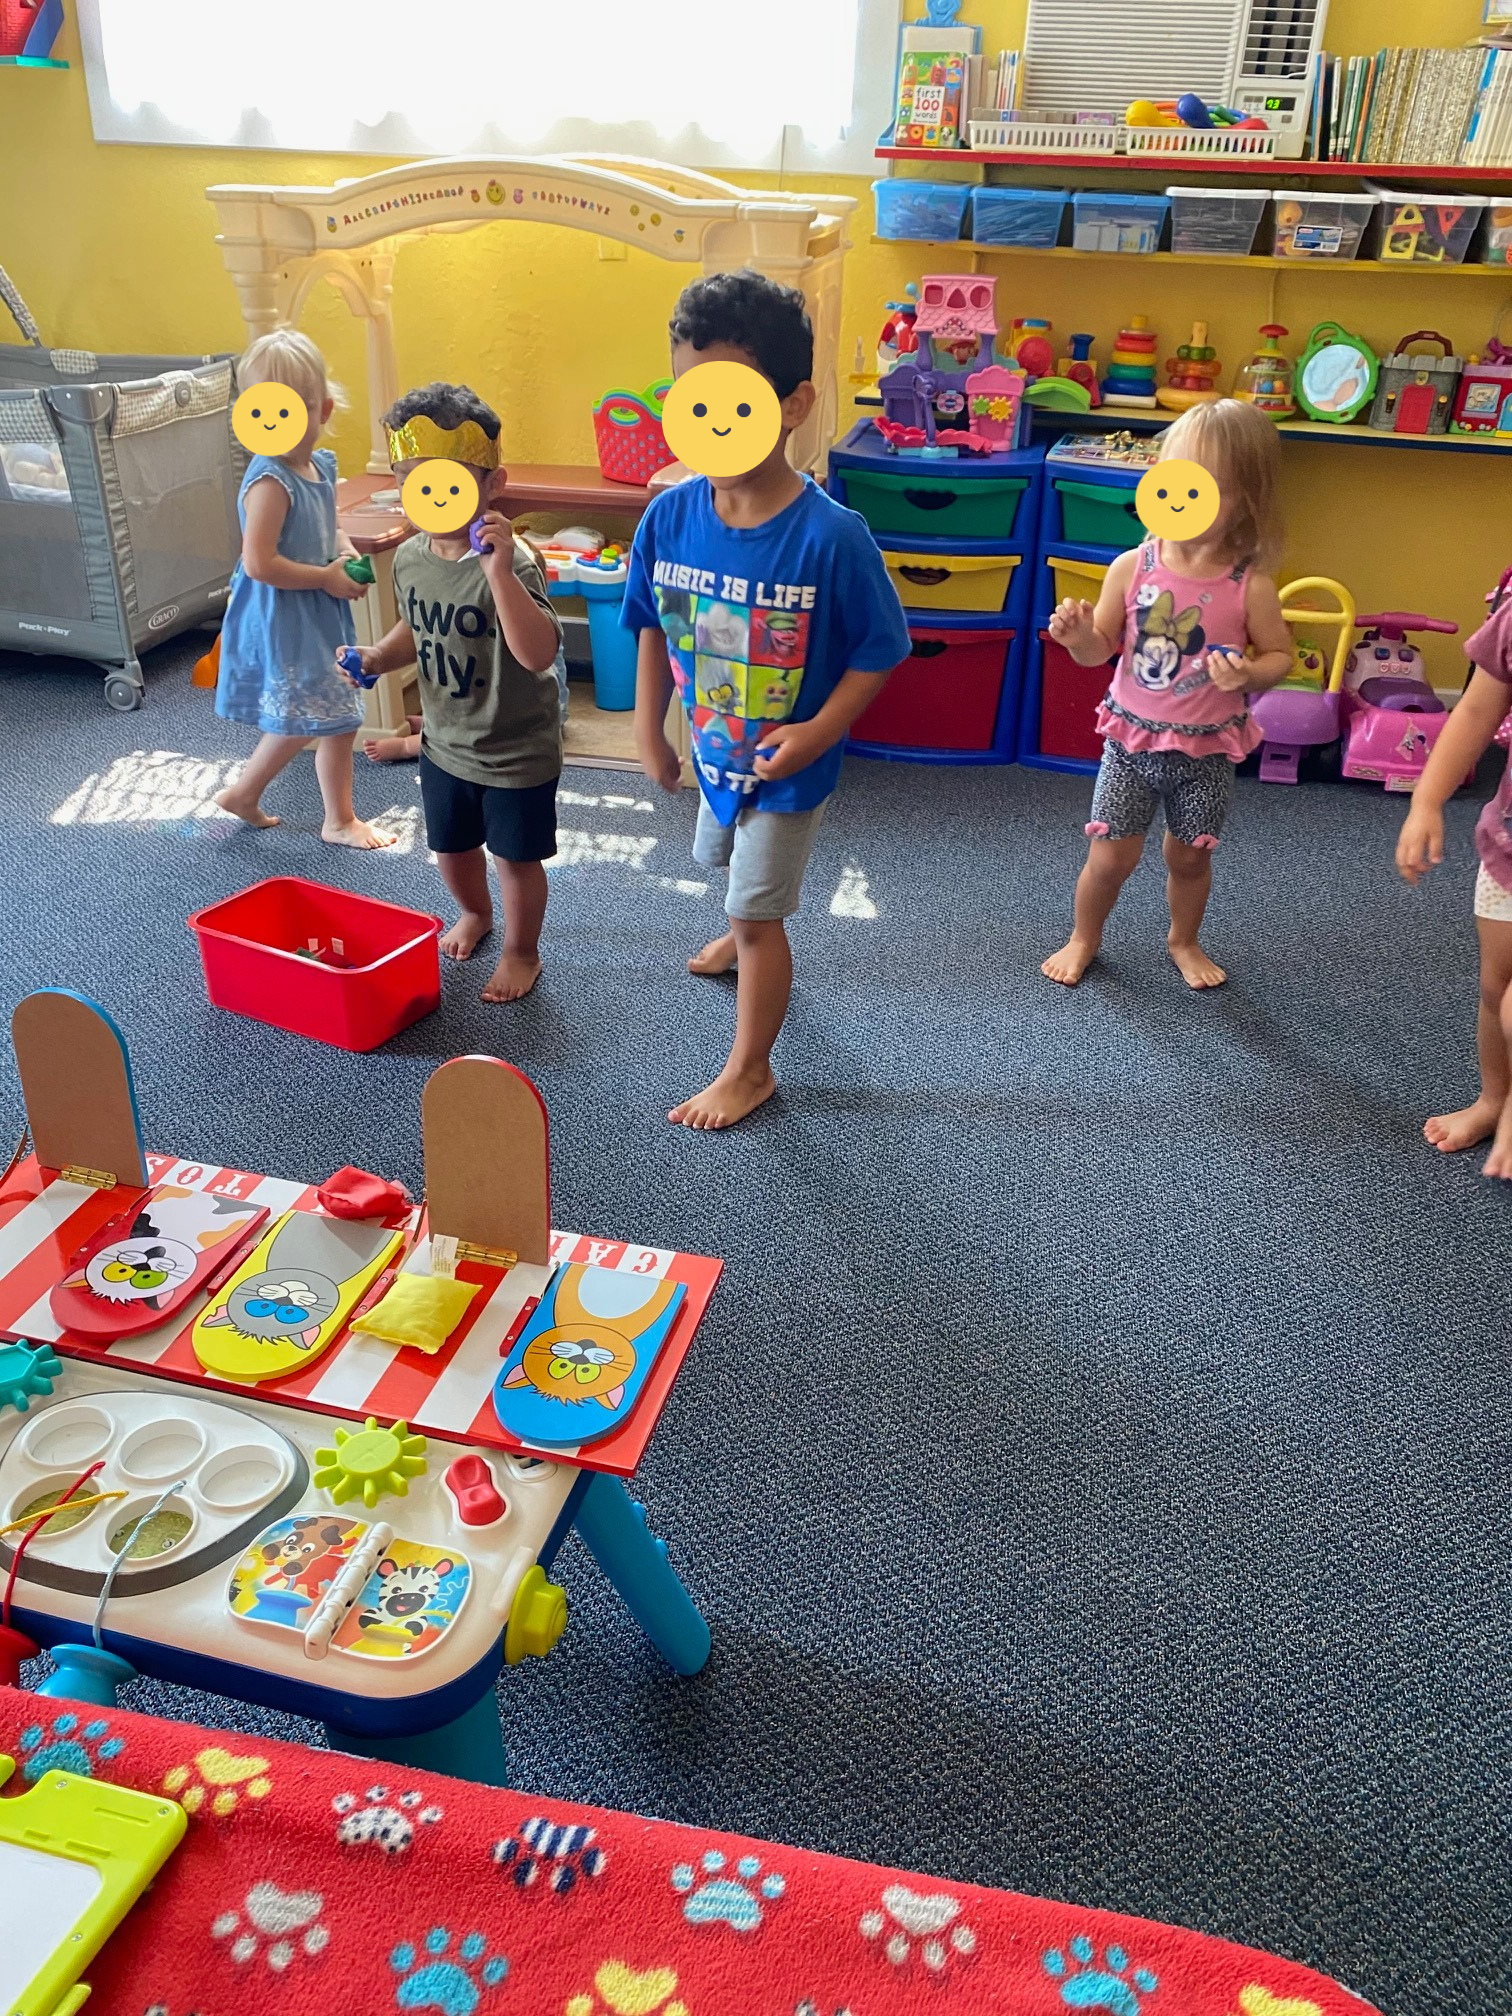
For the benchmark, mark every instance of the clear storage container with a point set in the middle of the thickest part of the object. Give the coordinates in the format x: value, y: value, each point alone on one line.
x: 1216, y: 220
x: 1116, y: 220
x: 920, y: 209
x: 1428, y: 230
x: 1018, y: 216
x: 1311, y: 225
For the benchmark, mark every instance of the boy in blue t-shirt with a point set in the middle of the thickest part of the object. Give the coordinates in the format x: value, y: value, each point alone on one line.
x: 768, y: 605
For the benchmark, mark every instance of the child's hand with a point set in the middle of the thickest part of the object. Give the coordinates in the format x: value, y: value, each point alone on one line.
x: 336, y: 581
x: 1228, y: 670
x: 1071, y: 625
x: 789, y: 748
x: 497, y: 531
x: 367, y: 653
x: 662, y: 764
x: 1420, y: 845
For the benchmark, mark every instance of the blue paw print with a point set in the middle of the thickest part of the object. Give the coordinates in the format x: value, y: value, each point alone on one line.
x: 1087, y: 1986
x: 67, y: 1746
x: 726, y: 1900
x: 432, y: 1980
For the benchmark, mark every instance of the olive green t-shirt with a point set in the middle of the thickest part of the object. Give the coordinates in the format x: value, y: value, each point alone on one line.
x: 486, y: 719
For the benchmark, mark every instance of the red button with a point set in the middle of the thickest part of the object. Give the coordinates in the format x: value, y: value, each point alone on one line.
x: 470, y: 1482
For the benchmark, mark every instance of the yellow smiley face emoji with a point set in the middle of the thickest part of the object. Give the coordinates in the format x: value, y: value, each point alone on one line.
x: 1177, y: 500
x: 721, y: 419
x: 439, y: 496
x: 269, y: 419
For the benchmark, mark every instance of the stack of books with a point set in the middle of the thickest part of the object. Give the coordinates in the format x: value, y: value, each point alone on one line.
x: 1416, y: 107
x: 939, y: 81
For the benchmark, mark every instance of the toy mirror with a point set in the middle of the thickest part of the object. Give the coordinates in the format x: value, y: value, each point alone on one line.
x: 1336, y: 376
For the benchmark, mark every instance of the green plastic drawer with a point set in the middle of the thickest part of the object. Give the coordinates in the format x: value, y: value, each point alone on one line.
x: 984, y: 507
x: 1097, y: 514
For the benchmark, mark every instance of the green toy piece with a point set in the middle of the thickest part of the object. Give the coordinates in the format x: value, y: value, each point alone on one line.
x: 1336, y: 374
x: 373, y: 1462
x: 75, y: 1855
x: 537, y: 1617
x: 27, y: 1374
x: 360, y: 569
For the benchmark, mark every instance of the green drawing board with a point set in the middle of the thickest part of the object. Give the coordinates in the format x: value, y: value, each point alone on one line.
x: 75, y: 1855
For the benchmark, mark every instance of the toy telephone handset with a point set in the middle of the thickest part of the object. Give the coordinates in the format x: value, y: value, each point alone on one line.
x: 75, y: 1855
x: 292, y: 1297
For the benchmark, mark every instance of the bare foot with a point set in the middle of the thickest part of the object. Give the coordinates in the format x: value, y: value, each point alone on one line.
x: 512, y: 978
x: 392, y: 748
x: 465, y: 935
x: 359, y: 834
x: 1195, y: 967
x: 1450, y: 1132
x: 718, y: 956
x: 1068, y: 965
x: 1499, y: 1161
x: 732, y: 1095
x: 250, y: 813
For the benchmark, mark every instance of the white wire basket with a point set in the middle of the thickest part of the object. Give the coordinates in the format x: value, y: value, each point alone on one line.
x: 1019, y: 136
x: 1230, y: 143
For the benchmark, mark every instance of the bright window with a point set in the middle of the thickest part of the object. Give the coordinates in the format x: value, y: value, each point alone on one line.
x: 750, y: 83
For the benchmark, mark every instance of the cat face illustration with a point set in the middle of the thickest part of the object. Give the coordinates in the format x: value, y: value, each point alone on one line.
x: 140, y: 1270
x: 279, y: 1309
x: 581, y: 1361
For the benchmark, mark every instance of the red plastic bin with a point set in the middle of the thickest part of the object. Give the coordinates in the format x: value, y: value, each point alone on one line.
x: 944, y: 695
x: 1070, y: 695
x: 253, y: 946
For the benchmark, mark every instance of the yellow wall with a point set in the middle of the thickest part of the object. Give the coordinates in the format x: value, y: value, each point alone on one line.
x: 115, y: 250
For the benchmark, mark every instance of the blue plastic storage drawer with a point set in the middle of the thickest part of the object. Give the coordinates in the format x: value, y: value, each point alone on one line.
x: 921, y: 209
x: 1018, y: 216
x: 1113, y: 220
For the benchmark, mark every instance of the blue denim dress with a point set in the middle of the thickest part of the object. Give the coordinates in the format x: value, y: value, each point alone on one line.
x: 278, y: 645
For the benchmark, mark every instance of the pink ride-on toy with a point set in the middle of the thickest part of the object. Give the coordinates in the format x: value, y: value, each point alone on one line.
x: 1392, y: 715
x: 1306, y: 711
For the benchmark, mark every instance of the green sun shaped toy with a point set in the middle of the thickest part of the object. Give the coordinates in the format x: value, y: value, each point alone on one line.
x: 373, y: 1462
x: 26, y: 1374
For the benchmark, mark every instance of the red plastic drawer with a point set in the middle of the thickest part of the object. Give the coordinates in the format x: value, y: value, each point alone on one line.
x: 344, y: 969
x: 1070, y: 695
x: 944, y: 695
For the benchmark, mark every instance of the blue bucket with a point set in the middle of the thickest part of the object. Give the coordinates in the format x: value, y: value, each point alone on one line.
x: 615, y: 649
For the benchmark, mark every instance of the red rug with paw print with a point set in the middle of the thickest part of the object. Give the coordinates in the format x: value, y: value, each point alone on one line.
x: 310, y: 1881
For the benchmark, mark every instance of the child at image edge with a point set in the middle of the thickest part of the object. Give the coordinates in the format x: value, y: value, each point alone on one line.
x: 287, y: 613
x: 482, y: 631
x: 1197, y: 626
x: 1468, y: 733
x: 768, y: 605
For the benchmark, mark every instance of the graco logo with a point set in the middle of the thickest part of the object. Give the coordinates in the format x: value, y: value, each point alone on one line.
x: 163, y: 616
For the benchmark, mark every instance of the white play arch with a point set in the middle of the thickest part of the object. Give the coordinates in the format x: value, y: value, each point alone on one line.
x: 278, y: 242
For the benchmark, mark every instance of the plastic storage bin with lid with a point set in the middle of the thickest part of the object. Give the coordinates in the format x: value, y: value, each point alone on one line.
x: 1018, y: 216
x: 1311, y: 225
x: 1216, y: 221
x: 1428, y: 230
x: 1496, y: 245
x: 908, y: 209
x: 1116, y: 220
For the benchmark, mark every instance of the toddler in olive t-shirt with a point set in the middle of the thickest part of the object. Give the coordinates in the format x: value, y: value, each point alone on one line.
x: 484, y: 637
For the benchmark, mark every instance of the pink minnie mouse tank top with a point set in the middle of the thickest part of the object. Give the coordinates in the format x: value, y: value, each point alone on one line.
x: 1161, y: 696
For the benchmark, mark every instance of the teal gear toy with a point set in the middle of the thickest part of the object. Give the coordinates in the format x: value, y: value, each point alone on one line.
x: 26, y: 1373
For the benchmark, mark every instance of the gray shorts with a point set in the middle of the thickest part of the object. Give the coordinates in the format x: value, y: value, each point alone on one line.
x: 1133, y: 784
x: 766, y: 854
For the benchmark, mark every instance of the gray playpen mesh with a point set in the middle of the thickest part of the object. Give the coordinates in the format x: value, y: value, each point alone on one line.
x: 118, y: 480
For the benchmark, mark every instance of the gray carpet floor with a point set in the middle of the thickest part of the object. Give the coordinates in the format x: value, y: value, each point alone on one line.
x: 1094, y: 1466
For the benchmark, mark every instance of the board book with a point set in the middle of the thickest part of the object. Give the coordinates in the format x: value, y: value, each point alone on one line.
x: 448, y: 1396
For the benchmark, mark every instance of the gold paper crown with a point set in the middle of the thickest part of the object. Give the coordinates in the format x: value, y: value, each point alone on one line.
x: 420, y: 439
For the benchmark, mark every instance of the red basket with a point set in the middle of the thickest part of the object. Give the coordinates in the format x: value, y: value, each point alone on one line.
x: 257, y: 952
x: 627, y: 432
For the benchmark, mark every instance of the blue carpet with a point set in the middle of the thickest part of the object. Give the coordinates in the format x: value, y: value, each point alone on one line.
x: 1095, y: 1463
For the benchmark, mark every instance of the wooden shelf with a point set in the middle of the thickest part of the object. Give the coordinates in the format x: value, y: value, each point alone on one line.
x: 1332, y: 267
x: 1196, y: 164
x: 1141, y: 420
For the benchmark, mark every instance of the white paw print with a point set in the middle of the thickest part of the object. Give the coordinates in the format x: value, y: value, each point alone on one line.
x: 907, y: 1918
x: 288, y: 1920
x: 373, y: 1822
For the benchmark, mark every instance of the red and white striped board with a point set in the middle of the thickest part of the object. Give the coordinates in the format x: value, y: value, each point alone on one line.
x: 44, y: 1221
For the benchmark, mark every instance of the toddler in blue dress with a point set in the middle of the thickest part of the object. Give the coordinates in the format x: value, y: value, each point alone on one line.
x: 287, y: 615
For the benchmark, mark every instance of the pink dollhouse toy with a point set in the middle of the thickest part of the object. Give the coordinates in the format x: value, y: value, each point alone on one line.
x: 980, y: 403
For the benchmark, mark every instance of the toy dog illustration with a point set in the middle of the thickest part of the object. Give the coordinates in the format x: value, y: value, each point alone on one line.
x: 308, y: 1556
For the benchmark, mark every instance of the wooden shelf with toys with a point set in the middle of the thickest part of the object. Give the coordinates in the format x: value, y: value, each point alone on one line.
x: 1258, y: 168
x: 1400, y: 267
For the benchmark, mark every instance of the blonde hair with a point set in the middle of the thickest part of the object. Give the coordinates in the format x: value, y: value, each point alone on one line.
x: 1239, y: 447
x: 285, y: 357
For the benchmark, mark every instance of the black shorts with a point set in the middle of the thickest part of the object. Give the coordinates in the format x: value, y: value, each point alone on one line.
x: 514, y: 825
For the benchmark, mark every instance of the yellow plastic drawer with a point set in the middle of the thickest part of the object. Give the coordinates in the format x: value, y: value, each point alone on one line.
x: 979, y: 581
x: 1080, y: 580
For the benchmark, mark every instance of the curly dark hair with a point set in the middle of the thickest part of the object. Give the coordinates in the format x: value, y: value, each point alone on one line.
x: 447, y: 405
x: 766, y: 320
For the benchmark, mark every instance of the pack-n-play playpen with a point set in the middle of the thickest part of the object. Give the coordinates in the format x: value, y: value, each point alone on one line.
x: 118, y: 479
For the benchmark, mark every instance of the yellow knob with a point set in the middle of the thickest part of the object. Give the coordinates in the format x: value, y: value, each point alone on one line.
x: 537, y: 1618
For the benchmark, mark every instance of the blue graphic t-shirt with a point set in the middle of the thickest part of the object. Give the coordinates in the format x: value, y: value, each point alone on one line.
x: 761, y: 626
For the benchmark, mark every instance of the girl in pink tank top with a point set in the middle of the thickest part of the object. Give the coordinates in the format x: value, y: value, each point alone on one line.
x: 1197, y: 628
